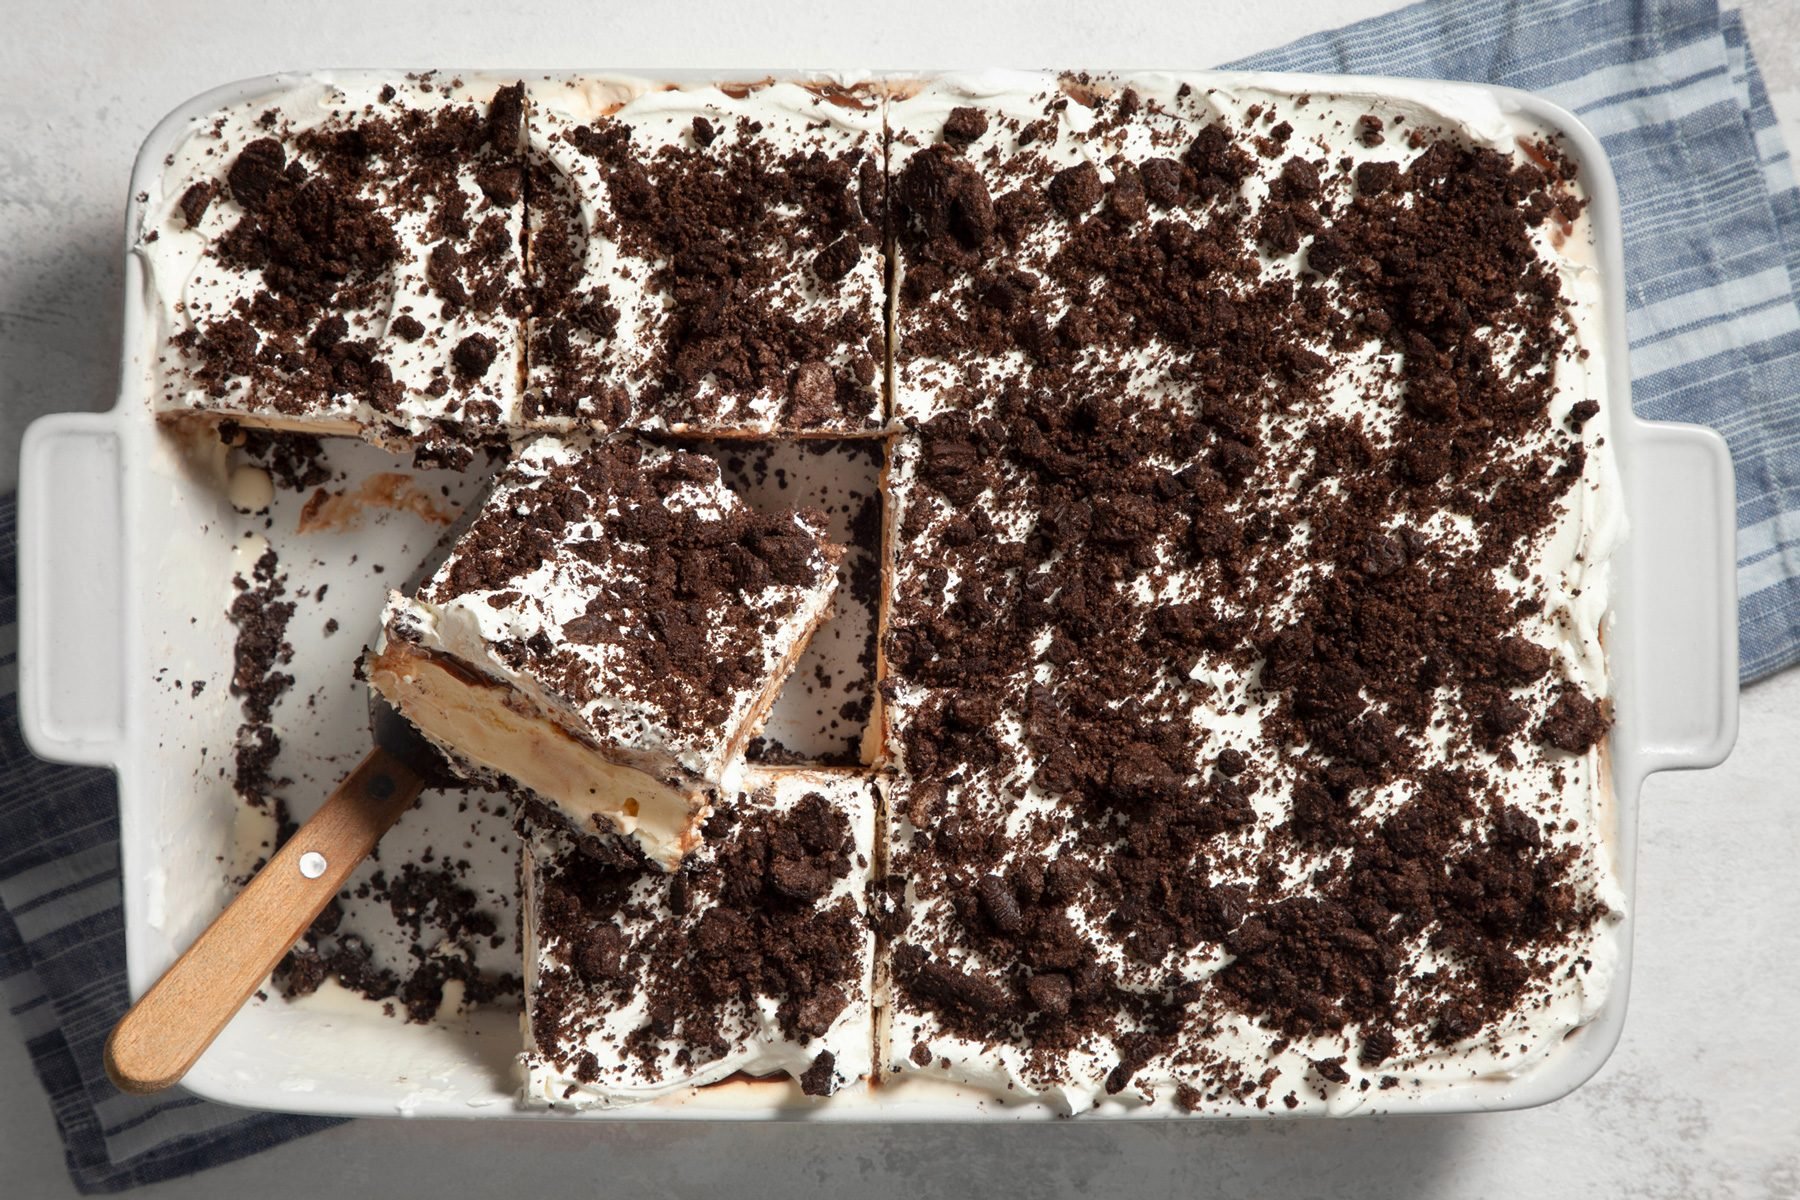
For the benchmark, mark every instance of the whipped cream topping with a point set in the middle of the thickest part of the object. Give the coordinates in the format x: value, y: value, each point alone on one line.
x: 747, y: 298
x: 632, y: 997
x: 1038, y: 127
x: 343, y: 255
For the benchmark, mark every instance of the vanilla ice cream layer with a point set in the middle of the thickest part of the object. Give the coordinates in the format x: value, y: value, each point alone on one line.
x: 495, y: 729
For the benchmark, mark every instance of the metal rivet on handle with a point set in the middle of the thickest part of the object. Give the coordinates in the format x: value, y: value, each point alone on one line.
x: 312, y: 864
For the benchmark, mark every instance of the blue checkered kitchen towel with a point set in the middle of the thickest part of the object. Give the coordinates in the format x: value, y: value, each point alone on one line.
x: 1712, y: 234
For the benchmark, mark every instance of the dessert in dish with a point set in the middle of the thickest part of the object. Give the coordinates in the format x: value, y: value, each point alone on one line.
x: 706, y: 259
x: 346, y: 258
x: 753, y: 960
x: 1246, y: 512
x: 609, y: 632
x: 1250, y: 539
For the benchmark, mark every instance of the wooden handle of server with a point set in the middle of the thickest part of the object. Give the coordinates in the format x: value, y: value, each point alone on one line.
x: 176, y: 1020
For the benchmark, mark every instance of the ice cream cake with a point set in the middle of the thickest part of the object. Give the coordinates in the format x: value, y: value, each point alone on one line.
x: 609, y: 632
x: 706, y: 259
x: 1245, y: 516
x: 752, y: 961
x: 346, y: 258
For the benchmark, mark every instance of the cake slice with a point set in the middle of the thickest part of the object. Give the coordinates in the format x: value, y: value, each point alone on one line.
x: 609, y: 632
x: 706, y: 259
x: 753, y: 960
x: 345, y: 258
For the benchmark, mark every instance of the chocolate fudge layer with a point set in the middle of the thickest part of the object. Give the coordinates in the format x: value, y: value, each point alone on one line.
x: 1249, y: 555
x: 753, y: 959
x: 610, y: 632
x: 346, y: 259
x: 706, y: 259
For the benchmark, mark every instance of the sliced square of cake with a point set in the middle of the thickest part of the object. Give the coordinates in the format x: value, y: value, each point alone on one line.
x: 706, y: 259
x: 752, y: 960
x: 609, y: 632
x: 346, y: 258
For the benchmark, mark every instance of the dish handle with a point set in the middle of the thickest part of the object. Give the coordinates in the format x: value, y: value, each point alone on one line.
x: 72, y: 570
x: 1684, y: 590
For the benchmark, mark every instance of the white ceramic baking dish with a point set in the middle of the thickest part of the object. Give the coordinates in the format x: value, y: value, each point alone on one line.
x: 126, y: 550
